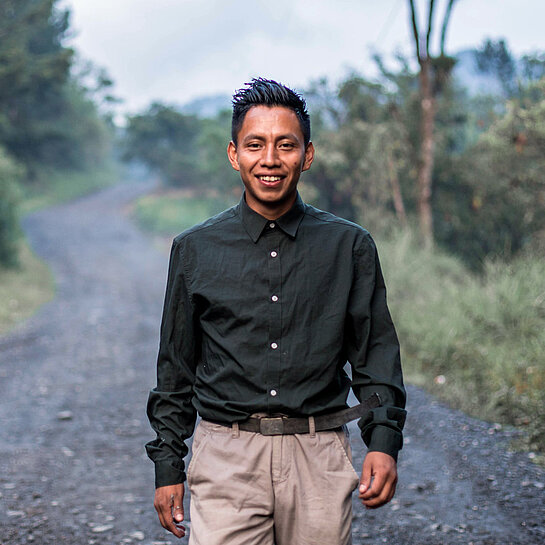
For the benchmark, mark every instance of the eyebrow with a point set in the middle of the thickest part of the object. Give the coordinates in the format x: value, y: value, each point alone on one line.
x: 287, y: 136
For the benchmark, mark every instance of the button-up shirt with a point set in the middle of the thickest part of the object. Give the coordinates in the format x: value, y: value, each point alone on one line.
x: 261, y: 316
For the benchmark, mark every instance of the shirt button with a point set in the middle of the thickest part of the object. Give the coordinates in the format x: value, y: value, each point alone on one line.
x: 274, y: 254
x: 273, y: 392
x: 274, y: 298
x: 272, y: 225
x: 274, y: 346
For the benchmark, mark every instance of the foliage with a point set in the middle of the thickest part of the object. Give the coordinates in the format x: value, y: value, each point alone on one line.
x: 513, y: 75
x: 476, y: 341
x: 499, y: 184
x: 212, y: 142
x: 25, y: 289
x: 495, y: 58
x: 363, y: 168
x: 10, y: 195
x: 62, y: 185
x: 78, y: 139
x: 35, y: 67
x: 487, y: 191
x: 96, y: 84
x: 184, y: 150
x: 173, y: 212
x: 166, y: 141
x: 49, y: 117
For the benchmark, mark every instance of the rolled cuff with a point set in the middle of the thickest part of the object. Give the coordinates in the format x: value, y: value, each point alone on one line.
x: 387, y: 440
x: 167, y: 473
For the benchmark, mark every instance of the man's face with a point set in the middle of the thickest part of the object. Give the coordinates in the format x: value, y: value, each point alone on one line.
x: 270, y: 156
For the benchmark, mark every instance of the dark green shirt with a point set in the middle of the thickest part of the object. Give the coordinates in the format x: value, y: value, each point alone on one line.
x: 261, y: 316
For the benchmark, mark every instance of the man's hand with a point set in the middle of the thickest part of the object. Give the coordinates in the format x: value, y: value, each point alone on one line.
x: 169, y: 506
x: 378, y: 480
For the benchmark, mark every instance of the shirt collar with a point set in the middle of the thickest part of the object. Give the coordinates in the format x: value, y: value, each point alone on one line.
x: 255, y: 223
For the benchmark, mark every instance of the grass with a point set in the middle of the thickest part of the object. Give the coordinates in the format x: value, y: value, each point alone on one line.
x: 24, y: 290
x: 171, y: 212
x: 475, y: 341
x: 63, y: 186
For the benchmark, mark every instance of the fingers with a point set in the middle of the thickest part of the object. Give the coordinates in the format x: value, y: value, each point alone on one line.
x: 365, y: 481
x: 381, y: 489
x: 169, y: 506
x: 178, y: 513
x: 380, y: 493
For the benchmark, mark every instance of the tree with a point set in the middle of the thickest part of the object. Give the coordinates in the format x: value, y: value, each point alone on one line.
x: 495, y: 58
x: 166, y: 141
x: 515, y: 76
x: 49, y: 121
x: 433, y: 73
x: 212, y: 141
x: 184, y: 150
x: 363, y: 154
x: 502, y: 176
x: 10, y: 232
x: 34, y: 67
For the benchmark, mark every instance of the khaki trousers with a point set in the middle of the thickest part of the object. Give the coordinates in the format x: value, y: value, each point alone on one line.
x: 250, y: 489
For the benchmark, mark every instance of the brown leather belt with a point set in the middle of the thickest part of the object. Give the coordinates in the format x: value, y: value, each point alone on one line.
x: 287, y: 425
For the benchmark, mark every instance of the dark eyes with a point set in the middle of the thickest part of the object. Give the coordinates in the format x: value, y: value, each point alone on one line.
x: 282, y: 145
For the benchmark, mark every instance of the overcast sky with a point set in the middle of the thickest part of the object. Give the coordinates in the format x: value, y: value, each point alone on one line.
x: 177, y: 50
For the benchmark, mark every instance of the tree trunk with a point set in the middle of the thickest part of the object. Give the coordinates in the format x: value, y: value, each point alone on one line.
x: 397, y: 197
x: 425, y: 163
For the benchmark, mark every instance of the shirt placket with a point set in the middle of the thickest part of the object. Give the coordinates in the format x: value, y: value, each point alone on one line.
x: 274, y: 348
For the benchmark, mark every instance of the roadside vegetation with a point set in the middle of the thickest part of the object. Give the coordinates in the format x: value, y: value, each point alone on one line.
x: 64, y: 186
x: 474, y: 340
x: 24, y: 289
x: 56, y: 138
x: 170, y: 212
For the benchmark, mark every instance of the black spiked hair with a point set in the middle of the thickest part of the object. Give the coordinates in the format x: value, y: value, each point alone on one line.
x: 267, y: 92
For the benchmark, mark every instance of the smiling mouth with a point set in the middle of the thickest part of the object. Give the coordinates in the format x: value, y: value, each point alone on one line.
x: 269, y: 179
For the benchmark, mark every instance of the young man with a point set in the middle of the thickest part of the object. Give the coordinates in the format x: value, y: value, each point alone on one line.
x: 264, y: 305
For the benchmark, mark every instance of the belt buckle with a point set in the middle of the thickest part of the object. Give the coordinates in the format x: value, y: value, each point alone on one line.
x: 271, y: 425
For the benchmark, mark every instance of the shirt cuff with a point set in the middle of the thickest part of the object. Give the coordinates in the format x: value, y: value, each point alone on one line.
x: 387, y: 440
x: 166, y: 474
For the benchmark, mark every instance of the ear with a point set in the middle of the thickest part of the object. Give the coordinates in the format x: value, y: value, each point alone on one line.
x: 309, y: 156
x: 233, y: 156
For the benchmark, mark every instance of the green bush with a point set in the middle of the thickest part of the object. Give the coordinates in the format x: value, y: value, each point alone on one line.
x: 56, y: 186
x: 10, y: 195
x: 476, y: 341
x: 172, y: 212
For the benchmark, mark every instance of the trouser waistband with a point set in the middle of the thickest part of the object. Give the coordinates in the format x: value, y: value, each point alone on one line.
x: 287, y: 425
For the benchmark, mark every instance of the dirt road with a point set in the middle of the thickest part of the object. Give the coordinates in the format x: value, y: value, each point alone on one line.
x: 73, y: 387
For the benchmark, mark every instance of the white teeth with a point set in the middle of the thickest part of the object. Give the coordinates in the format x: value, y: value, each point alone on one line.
x: 269, y: 178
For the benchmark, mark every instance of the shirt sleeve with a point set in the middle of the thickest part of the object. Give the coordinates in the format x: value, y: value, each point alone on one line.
x: 373, y: 352
x: 170, y: 410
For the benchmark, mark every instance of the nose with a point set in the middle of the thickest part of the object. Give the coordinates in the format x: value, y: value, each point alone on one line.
x: 270, y: 156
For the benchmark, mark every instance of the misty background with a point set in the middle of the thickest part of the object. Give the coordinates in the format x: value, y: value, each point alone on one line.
x: 180, y: 50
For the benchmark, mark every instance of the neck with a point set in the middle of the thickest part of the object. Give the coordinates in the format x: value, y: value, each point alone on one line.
x: 271, y: 211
